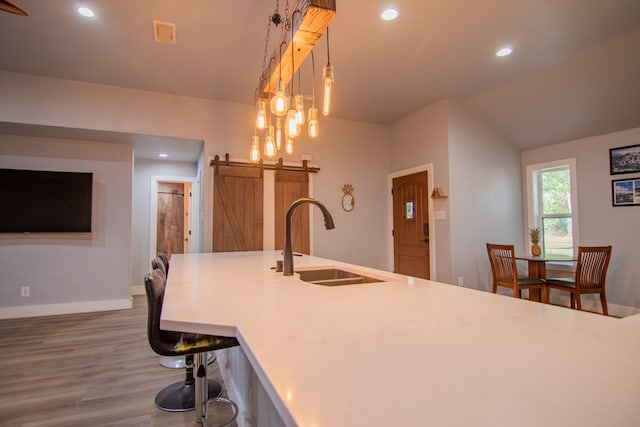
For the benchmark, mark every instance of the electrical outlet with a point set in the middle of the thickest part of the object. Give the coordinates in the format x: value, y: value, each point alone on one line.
x: 460, y: 281
x: 25, y: 291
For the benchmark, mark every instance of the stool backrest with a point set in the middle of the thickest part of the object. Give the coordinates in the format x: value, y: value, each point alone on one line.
x: 162, y: 342
x: 157, y: 264
x: 165, y: 261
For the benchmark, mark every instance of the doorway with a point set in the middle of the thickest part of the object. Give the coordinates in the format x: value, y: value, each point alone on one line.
x: 172, y: 234
x: 174, y: 228
x: 412, y: 229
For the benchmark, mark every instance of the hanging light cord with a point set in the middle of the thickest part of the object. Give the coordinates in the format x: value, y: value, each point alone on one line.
x: 313, y: 83
x: 328, y: 54
x: 293, y: 68
x: 280, y: 62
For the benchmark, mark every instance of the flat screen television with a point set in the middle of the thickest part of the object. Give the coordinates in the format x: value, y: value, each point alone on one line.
x: 36, y: 201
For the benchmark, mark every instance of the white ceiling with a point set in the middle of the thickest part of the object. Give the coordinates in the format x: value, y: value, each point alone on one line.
x: 574, y: 71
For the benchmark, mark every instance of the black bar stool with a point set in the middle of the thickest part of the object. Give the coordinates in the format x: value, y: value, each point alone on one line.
x: 190, y: 393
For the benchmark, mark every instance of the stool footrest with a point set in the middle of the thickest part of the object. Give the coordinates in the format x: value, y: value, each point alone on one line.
x: 180, y: 397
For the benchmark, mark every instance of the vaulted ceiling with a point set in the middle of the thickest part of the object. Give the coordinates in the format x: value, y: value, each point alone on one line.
x: 574, y: 70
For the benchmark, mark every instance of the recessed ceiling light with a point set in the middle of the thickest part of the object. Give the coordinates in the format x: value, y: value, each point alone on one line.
x: 504, y: 51
x: 389, y: 14
x: 163, y: 155
x: 86, y: 12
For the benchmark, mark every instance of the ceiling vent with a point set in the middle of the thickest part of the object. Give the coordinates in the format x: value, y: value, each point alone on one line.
x: 164, y: 32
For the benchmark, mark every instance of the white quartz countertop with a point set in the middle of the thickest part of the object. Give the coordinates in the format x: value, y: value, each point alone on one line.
x: 408, y: 352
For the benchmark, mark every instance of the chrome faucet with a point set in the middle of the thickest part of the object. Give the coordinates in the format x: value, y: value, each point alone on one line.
x: 288, y: 253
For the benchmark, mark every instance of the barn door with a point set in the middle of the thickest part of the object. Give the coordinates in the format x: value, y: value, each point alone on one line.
x: 170, y: 227
x: 290, y: 186
x: 237, y: 209
x: 411, y: 225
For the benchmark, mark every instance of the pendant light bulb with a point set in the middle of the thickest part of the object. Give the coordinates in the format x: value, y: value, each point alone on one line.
x: 279, y: 101
x: 292, y: 126
x: 300, y: 109
x: 313, y: 122
x: 327, y: 81
x: 254, y: 155
x: 269, y: 144
x: 261, y: 119
x: 279, y: 133
x: 289, y: 146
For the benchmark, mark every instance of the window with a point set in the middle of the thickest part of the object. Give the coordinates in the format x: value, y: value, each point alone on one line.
x: 552, y: 206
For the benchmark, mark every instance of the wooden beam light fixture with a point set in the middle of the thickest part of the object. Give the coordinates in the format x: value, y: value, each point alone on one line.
x: 309, y: 19
x: 303, y: 27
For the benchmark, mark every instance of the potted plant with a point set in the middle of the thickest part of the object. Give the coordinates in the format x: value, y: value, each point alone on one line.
x: 534, y: 235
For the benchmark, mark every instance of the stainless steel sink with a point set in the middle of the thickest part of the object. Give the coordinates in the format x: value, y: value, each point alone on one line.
x: 334, y: 277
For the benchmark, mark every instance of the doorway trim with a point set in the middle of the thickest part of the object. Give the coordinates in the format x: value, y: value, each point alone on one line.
x: 194, y: 222
x: 428, y: 167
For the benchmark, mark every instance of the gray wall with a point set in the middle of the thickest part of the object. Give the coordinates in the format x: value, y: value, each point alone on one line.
x: 65, y: 271
x: 600, y: 223
x: 347, y: 152
x: 143, y: 171
x: 479, y: 170
x: 420, y: 139
x: 485, y: 198
x: 463, y: 152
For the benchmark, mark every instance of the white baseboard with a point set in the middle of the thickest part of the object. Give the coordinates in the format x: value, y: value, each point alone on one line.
x: 621, y: 310
x: 64, y: 308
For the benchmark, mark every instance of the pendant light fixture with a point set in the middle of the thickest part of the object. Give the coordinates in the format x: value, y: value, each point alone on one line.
x: 280, y: 102
x: 281, y: 116
x: 261, y: 120
x: 300, y: 117
x: 269, y: 144
x: 254, y: 155
x: 278, y: 133
x: 327, y: 81
x: 313, y: 111
x: 292, y: 126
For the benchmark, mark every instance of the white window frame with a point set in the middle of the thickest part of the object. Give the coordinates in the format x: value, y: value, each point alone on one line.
x: 533, y: 199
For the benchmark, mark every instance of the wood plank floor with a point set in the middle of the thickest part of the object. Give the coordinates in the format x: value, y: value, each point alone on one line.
x: 87, y: 369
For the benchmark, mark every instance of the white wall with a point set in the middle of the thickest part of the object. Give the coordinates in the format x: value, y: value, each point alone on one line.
x: 485, y: 196
x: 600, y: 222
x: 69, y: 272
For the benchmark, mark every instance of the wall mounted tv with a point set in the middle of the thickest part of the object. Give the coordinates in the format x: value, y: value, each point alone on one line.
x: 35, y: 201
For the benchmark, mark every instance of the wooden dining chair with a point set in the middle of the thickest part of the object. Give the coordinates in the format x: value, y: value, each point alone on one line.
x: 505, y: 272
x: 590, y: 276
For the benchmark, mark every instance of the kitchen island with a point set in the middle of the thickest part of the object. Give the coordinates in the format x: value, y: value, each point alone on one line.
x: 402, y: 351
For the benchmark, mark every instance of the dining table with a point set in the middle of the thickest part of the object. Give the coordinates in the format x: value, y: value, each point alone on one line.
x: 537, y: 268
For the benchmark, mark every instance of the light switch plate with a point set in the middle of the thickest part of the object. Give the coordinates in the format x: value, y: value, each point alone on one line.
x: 439, y: 215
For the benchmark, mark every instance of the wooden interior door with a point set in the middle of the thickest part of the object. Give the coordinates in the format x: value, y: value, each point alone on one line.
x: 170, y: 218
x: 237, y: 209
x: 411, y: 225
x: 289, y: 187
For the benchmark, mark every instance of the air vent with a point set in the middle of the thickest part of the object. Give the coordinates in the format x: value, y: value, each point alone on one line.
x: 164, y: 32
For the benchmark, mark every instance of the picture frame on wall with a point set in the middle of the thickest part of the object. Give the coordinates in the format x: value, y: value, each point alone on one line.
x: 625, y: 192
x: 624, y: 159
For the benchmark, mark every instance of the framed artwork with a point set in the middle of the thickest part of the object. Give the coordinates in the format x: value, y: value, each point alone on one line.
x: 624, y: 159
x: 625, y: 192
